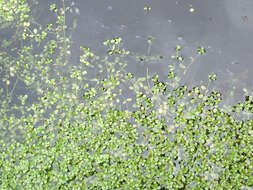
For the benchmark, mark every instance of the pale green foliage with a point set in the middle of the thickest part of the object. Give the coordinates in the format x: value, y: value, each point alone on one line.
x: 78, y: 133
x: 12, y: 11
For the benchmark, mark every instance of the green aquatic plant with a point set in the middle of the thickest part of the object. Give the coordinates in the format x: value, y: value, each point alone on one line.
x: 70, y: 128
x: 147, y: 8
x: 201, y: 50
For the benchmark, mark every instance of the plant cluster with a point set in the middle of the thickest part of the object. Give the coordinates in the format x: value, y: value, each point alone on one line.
x: 68, y: 128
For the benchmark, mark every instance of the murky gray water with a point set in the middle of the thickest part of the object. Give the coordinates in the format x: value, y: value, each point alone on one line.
x: 224, y: 28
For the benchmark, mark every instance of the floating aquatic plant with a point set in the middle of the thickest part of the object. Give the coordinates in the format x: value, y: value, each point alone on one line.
x: 77, y: 134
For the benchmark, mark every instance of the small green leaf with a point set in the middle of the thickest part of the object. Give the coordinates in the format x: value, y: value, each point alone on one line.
x: 147, y: 8
x: 212, y: 77
x: 178, y: 48
x: 201, y: 50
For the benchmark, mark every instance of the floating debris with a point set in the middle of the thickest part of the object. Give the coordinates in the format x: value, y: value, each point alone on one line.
x: 244, y: 18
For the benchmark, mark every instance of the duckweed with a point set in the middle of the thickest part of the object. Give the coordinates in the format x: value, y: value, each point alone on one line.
x: 76, y: 134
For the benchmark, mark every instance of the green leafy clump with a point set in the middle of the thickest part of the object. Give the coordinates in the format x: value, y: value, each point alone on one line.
x: 81, y: 132
x: 12, y: 11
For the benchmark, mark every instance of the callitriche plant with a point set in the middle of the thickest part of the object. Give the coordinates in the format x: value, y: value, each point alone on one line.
x: 64, y: 127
